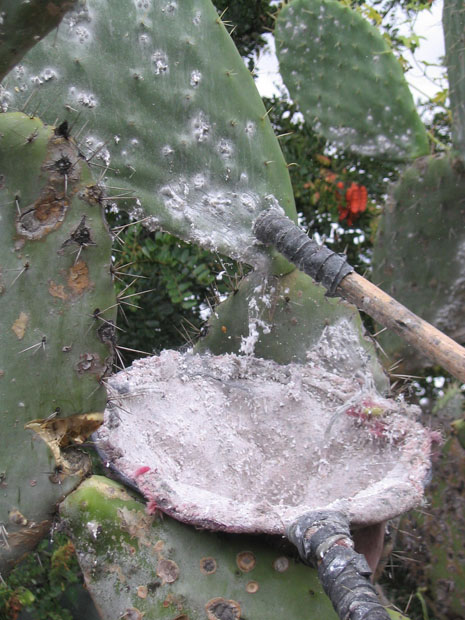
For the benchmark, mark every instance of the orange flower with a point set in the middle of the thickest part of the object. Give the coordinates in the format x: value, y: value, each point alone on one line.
x: 356, y: 203
x: 356, y: 197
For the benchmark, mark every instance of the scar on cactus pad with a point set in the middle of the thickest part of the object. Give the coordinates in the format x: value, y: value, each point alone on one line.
x: 53, y: 277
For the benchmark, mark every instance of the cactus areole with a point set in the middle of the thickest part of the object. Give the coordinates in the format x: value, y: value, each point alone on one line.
x: 240, y: 444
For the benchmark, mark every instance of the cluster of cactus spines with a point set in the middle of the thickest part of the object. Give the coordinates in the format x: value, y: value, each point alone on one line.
x: 159, y: 568
x: 453, y: 20
x: 282, y: 318
x: 180, y: 124
x: 22, y: 24
x: 57, y: 307
x: 347, y: 83
x: 423, y: 220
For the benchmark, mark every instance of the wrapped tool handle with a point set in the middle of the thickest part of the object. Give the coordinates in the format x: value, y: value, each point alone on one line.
x: 324, y: 542
x: 272, y: 227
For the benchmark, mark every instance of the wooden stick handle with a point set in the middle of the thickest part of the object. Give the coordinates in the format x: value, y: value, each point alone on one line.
x: 339, y: 278
x: 389, y: 313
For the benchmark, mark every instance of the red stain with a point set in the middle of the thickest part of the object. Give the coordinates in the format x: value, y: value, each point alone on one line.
x: 141, y: 471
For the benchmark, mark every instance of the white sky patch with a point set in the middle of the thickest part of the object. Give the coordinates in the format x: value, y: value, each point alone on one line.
x: 428, y: 24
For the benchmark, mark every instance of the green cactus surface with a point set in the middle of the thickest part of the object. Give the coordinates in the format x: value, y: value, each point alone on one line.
x: 282, y: 318
x: 453, y: 20
x: 395, y: 615
x: 57, y: 335
x: 433, y: 540
x: 458, y: 427
x: 348, y: 84
x: 178, y: 125
x: 423, y: 220
x: 136, y: 565
x: 22, y: 24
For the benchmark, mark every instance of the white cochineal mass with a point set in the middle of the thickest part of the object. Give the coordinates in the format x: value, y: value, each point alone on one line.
x: 242, y: 444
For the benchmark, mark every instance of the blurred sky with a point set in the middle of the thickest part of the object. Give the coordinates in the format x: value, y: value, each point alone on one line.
x: 427, y: 24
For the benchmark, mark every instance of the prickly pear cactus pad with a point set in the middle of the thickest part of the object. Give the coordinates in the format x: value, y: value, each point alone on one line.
x: 168, y: 108
x: 283, y: 318
x: 433, y: 541
x: 423, y: 219
x: 136, y: 565
x: 348, y: 84
x: 22, y: 24
x: 56, y: 337
x: 246, y: 445
x: 453, y: 20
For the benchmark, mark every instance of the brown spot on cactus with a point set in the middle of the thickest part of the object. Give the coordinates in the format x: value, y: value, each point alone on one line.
x: 91, y: 363
x: 78, y: 278
x: 167, y: 570
x: 44, y: 216
x: 208, y: 566
x: 20, y: 325
x: 222, y: 609
x: 142, y: 591
x: 246, y: 561
x: 158, y: 547
x: 57, y: 290
x: 252, y: 587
